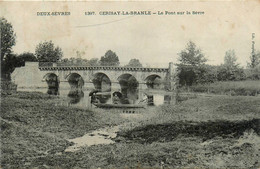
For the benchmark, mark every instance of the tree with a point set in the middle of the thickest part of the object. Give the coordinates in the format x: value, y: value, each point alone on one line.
x: 7, y: 42
x: 22, y: 58
x: 257, y: 62
x: 134, y: 63
x: 192, y: 55
x: 207, y: 74
x: 230, y: 59
x: 253, y: 73
x: 93, y: 62
x: 47, y: 52
x: 79, y: 62
x: 73, y: 62
x: 230, y: 70
x: 226, y: 73
x: 110, y: 59
x: 191, y: 67
x: 255, y: 59
x: 254, y: 67
x: 7, y: 38
x: 8, y: 65
x: 79, y: 54
x: 12, y: 61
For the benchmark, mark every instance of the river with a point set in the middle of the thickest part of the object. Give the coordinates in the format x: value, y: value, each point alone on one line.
x: 83, y: 101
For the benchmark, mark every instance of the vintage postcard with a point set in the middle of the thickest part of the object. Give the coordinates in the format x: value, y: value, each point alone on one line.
x: 130, y: 84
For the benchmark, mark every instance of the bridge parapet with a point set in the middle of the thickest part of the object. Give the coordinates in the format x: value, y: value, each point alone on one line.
x: 103, y: 68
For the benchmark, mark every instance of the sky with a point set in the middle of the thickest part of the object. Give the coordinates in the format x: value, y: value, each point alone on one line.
x: 155, y: 40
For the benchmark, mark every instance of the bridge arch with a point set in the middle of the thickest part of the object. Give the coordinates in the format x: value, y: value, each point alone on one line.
x: 52, y: 81
x: 76, y: 83
x: 154, y: 81
x: 129, y: 87
x: 101, y: 82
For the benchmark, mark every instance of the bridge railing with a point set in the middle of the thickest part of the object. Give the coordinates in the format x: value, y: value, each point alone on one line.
x: 61, y: 66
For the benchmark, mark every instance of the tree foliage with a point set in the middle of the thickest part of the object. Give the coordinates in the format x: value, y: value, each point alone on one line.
x: 93, y: 62
x: 8, y: 65
x: 255, y: 60
x: 24, y: 57
x: 73, y: 62
x: 230, y: 70
x: 253, y: 73
x: 194, y: 70
x: 230, y: 59
x: 230, y: 74
x: 110, y: 59
x: 7, y: 38
x: 47, y: 52
x: 7, y: 42
x: 192, y: 65
x: 192, y: 55
x: 79, y: 62
x: 12, y: 61
x: 134, y: 63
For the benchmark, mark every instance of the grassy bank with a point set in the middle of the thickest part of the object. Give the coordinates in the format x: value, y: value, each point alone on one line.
x: 34, y: 125
x: 43, y: 113
x: 234, y: 88
x: 204, y: 132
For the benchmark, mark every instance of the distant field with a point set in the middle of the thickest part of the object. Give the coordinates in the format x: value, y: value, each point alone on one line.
x: 235, y: 88
x: 202, y: 132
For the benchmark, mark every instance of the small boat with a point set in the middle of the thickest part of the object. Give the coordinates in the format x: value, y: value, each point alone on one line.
x: 122, y: 106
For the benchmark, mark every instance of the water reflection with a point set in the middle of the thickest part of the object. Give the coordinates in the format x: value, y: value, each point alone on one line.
x: 53, y: 83
x: 103, y: 97
x: 53, y: 91
x: 75, y: 97
x: 82, y: 98
x: 167, y: 99
x: 129, y: 88
x: 158, y: 99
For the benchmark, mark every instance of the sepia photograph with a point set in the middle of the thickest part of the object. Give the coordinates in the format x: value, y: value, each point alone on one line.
x: 130, y: 84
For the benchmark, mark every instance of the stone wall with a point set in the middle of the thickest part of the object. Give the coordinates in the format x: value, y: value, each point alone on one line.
x: 29, y: 76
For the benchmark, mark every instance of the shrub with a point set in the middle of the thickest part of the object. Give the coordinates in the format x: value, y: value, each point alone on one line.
x: 225, y: 73
x: 253, y: 74
x: 241, y: 88
x: 7, y: 87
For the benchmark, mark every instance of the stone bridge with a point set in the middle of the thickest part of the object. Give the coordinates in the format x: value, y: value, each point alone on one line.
x: 131, y: 82
x: 34, y: 76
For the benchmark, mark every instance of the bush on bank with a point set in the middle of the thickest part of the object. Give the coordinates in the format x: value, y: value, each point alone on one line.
x: 7, y: 87
x: 233, y: 88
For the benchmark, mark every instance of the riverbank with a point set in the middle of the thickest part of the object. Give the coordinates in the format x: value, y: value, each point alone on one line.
x: 232, y: 88
x: 205, y: 132
x: 34, y: 125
